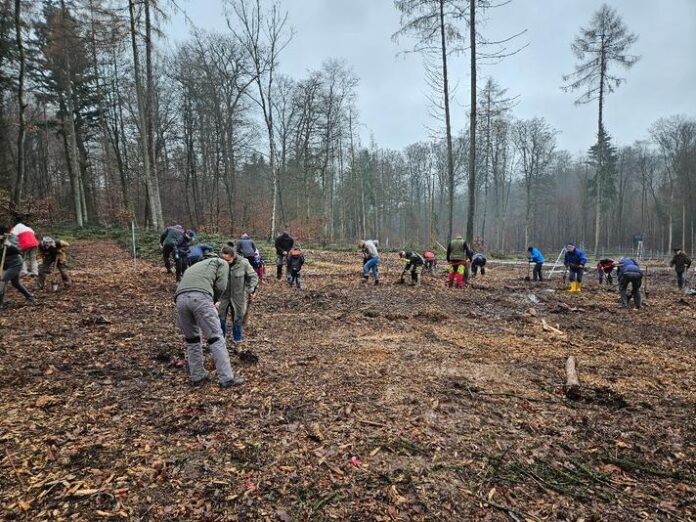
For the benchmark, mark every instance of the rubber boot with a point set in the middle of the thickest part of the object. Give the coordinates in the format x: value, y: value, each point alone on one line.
x: 572, y: 287
x: 578, y: 286
x: 279, y: 272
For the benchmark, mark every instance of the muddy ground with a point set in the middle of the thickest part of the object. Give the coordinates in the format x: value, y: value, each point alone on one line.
x: 388, y: 403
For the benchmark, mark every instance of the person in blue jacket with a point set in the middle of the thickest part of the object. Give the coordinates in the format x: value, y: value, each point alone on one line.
x: 536, y: 257
x: 197, y: 252
x: 575, y: 260
x: 629, y: 272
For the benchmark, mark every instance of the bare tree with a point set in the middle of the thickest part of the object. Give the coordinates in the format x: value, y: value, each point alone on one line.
x: 535, y: 142
x: 263, y: 35
x: 605, y: 42
x: 19, y: 178
x: 431, y: 22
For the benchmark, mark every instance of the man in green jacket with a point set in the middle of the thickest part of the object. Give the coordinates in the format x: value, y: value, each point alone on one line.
x: 200, y: 288
x: 242, y: 283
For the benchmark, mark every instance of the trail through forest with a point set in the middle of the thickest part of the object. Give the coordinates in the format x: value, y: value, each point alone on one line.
x: 387, y: 403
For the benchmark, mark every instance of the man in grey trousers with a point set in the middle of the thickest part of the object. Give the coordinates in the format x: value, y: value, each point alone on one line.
x: 200, y: 288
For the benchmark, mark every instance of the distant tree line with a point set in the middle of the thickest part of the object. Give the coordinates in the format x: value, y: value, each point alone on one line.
x: 99, y: 124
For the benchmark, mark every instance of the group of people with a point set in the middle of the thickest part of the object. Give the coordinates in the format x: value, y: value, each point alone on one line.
x: 464, y: 263
x: 213, y: 288
x: 628, y: 271
x: 20, y: 248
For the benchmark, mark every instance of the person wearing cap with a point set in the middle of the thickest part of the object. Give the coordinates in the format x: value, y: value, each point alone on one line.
x: 196, y: 296
x: 681, y: 264
x: 12, y: 267
x: 370, y: 259
x: 535, y: 256
x: 629, y: 273
x: 414, y: 264
x: 575, y: 260
x: 53, y: 251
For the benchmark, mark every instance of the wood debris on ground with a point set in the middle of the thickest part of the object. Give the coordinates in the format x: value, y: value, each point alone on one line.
x: 387, y: 403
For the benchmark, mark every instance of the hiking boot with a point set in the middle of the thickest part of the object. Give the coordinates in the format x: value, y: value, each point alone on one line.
x: 31, y: 301
x: 235, y: 381
x: 365, y: 278
x: 376, y: 282
x: 201, y: 382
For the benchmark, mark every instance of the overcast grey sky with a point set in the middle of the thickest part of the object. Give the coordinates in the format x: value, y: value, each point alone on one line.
x: 392, y: 92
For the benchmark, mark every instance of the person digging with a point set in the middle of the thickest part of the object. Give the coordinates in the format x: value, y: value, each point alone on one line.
x: 199, y: 289
x: 240, y: 292
x: 414, y: 264
x: 629, y: 273
x: 11, y: 263
x: 53, y: 252
x: 575, y: 261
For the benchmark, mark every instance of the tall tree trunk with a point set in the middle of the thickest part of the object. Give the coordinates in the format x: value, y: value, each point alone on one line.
x: 151, y: 186
x: 150, y: 120
x: 19, y: 178
x: 471, y: 212
x: 600, y: 150
x: 448, y: 126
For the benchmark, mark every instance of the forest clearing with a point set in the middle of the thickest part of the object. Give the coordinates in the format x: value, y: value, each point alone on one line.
x: 368, y: 403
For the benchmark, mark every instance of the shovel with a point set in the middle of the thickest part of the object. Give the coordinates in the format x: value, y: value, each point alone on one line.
x: 527, y: 278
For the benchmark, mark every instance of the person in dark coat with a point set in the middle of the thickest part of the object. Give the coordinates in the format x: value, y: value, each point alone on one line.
x: 478, y: 261
x: 681, y: 264
x: 283, y: 243
x: 168, y: 241
x: 296, y: 260
x: 629, y: 273
x: 9, y: 247
x: 247, y: 249
x: 414, y: 264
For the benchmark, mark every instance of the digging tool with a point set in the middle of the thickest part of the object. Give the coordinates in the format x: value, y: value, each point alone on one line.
x: 645, y: 284
x: 247, y: 356
x: 2, y: 267
x: 529, y: 265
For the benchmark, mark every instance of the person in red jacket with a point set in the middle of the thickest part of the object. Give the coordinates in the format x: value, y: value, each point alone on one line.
x: 28, y: 246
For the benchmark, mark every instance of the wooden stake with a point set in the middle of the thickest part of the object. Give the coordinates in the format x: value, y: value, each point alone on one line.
x: 571, y: 374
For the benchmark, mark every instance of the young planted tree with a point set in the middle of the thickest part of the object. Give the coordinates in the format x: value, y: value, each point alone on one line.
x: 598, y: 48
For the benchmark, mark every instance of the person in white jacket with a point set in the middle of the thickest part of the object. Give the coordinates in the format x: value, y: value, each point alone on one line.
x: 28, y: 246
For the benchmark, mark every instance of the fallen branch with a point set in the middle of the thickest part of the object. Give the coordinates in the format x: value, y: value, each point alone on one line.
x: 548, y: 328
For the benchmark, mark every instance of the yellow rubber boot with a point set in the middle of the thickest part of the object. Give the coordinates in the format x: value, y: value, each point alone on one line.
x: 578, y: 287
x: 572, y: 287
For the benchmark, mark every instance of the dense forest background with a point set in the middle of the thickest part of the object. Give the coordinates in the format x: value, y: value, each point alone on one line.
x: 101, y: 124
